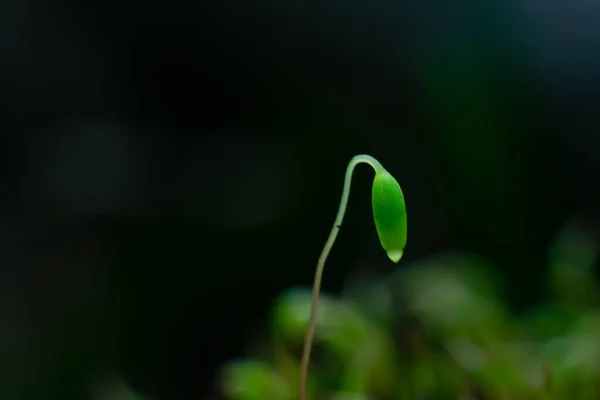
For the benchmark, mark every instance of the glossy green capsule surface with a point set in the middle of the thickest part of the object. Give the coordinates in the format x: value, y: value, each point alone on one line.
x: 389, y: 213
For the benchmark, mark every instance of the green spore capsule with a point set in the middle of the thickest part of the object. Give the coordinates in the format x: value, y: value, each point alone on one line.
x: 389, y: 213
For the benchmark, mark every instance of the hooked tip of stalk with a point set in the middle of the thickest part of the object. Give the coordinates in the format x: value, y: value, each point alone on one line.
x: 395, y: 255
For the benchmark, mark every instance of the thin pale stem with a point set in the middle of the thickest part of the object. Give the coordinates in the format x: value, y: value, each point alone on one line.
x: 361, y: 158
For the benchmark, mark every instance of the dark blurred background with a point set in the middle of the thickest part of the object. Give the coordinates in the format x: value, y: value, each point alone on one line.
x: 167, y: 169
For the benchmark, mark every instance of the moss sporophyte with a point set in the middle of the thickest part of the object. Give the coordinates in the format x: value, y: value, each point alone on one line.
x: 389, y: 213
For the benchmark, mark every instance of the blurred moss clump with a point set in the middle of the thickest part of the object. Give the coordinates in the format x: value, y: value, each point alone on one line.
x: 438, y: 329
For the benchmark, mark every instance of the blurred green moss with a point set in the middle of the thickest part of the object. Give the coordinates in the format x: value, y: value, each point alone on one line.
x: 439, y: 328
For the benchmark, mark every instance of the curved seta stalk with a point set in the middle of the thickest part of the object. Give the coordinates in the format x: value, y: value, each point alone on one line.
x: 358, y: 159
